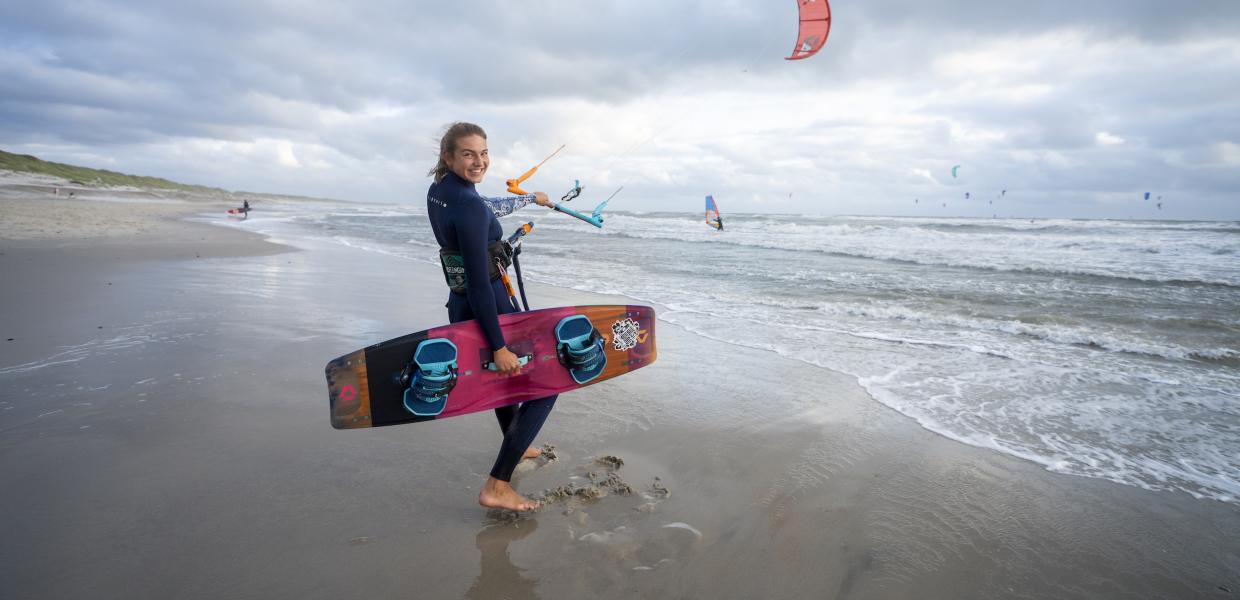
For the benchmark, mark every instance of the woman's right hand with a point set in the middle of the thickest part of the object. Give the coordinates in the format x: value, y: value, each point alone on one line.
x: 506, y: 362
x: 541, y: 199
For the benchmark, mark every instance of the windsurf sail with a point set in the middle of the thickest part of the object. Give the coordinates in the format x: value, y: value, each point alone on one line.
x: 712, y: 213
x: 815, y: 25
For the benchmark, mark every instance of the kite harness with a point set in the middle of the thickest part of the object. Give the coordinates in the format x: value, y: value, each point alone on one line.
x: 501, y: 255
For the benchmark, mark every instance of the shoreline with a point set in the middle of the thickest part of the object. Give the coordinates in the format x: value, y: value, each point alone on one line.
x: 169, y: 402
x: 135, y: 223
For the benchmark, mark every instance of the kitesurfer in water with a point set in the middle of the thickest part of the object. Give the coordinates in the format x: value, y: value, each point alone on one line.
x: 465, y: 222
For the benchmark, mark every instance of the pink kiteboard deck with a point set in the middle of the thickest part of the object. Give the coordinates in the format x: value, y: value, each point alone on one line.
x: 365, y: 387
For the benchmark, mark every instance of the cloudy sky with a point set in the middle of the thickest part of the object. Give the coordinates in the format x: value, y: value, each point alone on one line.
x: 1076, y: 108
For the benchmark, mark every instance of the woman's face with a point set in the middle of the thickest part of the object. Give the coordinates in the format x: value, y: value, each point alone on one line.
x: 471, y: 159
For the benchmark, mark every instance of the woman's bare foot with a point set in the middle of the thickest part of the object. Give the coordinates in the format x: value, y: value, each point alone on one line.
x: 531, y: 452
x: 499, y: 494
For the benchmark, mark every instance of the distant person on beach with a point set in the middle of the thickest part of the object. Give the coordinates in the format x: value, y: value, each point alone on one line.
x: 245, y: 206
x: 466, y: 223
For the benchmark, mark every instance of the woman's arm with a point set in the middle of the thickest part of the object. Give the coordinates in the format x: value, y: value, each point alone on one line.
x: 471, y: 234
x: 503, y: 207
x: 507, y: 205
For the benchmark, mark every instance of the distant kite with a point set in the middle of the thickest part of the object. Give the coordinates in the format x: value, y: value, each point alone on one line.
x: 815, y: 25
x: 954, y: 169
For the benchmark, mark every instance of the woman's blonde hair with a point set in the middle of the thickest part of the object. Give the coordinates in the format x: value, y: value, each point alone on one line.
x: 447, y: 145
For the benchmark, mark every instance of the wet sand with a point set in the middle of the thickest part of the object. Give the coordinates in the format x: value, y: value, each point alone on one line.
x: 164, y: 433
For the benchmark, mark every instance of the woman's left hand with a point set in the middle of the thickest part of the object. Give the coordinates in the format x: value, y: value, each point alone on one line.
x: 542, y: 199
x: 506, y: 361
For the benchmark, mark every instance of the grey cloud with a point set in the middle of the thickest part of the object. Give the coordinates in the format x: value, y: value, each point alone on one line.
x: 137, y: 74
x: 1150, y: 19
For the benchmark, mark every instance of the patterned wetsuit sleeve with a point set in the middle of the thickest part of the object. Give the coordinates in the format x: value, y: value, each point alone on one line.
x: 472, y: 236
x: 507, y: 205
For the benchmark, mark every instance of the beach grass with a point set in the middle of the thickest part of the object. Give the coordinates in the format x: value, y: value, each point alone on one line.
x: 25, y: 163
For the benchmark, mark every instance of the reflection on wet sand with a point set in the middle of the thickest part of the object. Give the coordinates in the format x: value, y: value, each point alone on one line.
x: 498, y: 577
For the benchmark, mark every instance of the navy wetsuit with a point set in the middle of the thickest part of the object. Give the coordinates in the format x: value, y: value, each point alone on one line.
x: 464, y: 221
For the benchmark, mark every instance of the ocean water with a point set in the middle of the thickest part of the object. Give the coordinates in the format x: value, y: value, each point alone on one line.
x: 1106, y: 349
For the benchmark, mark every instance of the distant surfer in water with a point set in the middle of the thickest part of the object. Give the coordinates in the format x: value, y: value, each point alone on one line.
x: 719, y: 223
x: 466, y: 223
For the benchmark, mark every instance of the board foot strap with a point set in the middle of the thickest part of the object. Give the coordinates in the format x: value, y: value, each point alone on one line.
x: 434, y: 376
x: 580, y: 348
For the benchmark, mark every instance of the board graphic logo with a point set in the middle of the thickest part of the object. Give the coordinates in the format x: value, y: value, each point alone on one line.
x: 348, y: 393
x: 625, y: 334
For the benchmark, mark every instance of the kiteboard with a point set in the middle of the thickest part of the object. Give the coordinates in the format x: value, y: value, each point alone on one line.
x: 447, y: 371
x: 237, y: 211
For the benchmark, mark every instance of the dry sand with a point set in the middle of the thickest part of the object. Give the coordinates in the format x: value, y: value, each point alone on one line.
x: 36, y: 211
x: 164, y: 434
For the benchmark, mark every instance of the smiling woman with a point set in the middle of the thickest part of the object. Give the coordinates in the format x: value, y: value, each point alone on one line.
x: 449, y: 146
x: 466, y: 227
